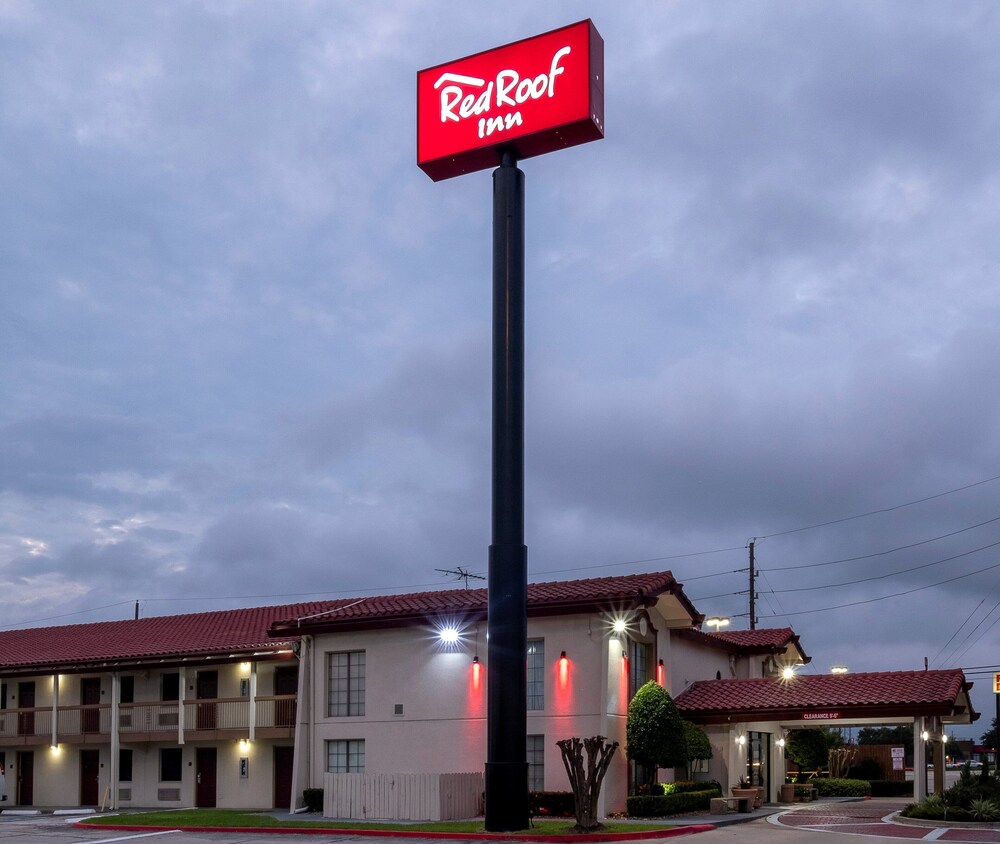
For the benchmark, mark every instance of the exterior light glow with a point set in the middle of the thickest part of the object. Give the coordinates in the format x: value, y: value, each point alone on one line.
x: 718, y: 622
x: 55, y: 750
x: 245, y: 667
x: 449, y: 635
x: 661, y: 673
x: 944, y: 738
x: 788, y: 672
x: 244, y: 745
x: 925, y: 735
x: 838, y: 669
x: 741, y: 740
x: 781, y: 742
x: 619, y: 625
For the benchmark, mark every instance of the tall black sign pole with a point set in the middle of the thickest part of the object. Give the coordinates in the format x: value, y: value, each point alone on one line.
x: 507, y: 622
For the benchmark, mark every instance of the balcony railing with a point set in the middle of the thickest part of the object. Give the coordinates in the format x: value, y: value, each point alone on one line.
x: 137, y: 720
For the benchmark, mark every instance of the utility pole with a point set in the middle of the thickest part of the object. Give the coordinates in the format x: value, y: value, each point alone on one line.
x: 753, y: 590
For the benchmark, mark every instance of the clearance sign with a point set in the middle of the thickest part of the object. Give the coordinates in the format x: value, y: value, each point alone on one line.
x: 531, y: 97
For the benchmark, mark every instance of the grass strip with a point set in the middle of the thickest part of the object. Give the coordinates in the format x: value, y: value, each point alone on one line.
x: 240, y: 819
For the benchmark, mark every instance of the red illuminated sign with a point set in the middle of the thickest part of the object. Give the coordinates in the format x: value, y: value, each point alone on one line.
x: 533, y: 96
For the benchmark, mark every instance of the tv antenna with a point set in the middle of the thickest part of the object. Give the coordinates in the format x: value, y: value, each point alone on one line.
x: 460, y: 573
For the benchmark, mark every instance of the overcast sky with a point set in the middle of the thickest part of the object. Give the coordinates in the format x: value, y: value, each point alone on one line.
x: 245, y: 341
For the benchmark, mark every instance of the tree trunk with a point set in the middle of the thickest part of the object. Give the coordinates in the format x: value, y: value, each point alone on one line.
x: 586, y: 782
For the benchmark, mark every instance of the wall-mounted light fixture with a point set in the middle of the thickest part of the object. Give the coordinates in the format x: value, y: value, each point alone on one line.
x: 741, y: 740
x: 788, y: 672
x: 244, y: 745
x: 448, y: 635
x: 245, y: 667
x: 55, y: 749
x: 925, y: 735
x: 619, y: 626
x: 563, y: 656
x: 781, y: 742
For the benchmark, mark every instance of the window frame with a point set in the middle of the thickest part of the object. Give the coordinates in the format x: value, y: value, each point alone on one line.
x: 535, y: 675
x: 347, y: 702
x: 351, y: 750
x: 534, y: 752
x: 168, y: 755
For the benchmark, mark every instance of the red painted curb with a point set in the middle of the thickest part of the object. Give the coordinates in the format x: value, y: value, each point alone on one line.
x: 644, y: 835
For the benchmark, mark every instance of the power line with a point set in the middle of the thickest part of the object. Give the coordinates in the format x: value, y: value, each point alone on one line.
x: 895, y: 594
x: 890, y: 574
x: 968, y: 618
x: 882, y: 510
x: 884, y: 553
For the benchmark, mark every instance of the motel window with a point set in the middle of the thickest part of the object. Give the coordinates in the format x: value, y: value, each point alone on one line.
x: 536, y: 763
x: 126, y: 689
x: 171, y: 760
x: 345, y: 756
x: 125, y: 765
x: 536, y: 674
x: 345, y: 683
x: 640, y: 665
x: 170, y: 686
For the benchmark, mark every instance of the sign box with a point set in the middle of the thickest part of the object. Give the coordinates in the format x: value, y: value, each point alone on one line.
x: 531, y: 97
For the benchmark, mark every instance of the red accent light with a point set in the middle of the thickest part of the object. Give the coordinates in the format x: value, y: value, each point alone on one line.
x: 661, y: 673
x: 477, y: 673
x: 533, y: 96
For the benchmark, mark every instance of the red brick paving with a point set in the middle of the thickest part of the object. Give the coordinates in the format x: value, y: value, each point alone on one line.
x: 857, y: 818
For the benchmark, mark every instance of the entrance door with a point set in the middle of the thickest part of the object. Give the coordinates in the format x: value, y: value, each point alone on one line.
x: 207, y: 689
x: 90, y: 696
x: 26, y: 700
x: 286, y: 682
x: 205, y: 775
x: 90, y: 774
x: 284, y: 758
x: 25, y: 789
x: 758, y: 769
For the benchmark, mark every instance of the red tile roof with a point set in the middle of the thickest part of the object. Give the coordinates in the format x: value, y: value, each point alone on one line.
x: 768, y: 641
x: 848, y: 695
x: 552, y: 598
x: 219, y: 633
x: 776, y: 637
x: 226, y: 633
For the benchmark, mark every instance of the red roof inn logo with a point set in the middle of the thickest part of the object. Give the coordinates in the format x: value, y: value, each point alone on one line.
x: 533, y: 96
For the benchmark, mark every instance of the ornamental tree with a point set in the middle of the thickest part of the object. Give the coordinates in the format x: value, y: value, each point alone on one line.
x: 654, y: 732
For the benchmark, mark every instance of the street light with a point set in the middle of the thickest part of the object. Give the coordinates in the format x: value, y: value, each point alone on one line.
x: 717, y: 622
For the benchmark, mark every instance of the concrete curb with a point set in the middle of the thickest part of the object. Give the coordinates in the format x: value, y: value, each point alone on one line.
x: 645, y: 835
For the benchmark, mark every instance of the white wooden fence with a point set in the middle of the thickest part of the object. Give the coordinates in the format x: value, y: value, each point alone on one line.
x: 409, y: 797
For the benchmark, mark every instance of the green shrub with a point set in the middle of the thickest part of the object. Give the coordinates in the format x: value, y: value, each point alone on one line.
x: 985, y: 810
x: 685, y: 786
x: 555, y: 804
x: 891, y: 788
x: 658, y: 806
x: 842, y: 787
x: 313, y: 798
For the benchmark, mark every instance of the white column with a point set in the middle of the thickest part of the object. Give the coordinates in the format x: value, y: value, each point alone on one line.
x: 115, y: 743
x: 55, y: 709
x: 919, y: 760
x: 253, y: 701
x: 181, y: 691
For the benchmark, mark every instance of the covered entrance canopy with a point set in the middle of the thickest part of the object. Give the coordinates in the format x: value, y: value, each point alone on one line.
x: 930, y: 699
